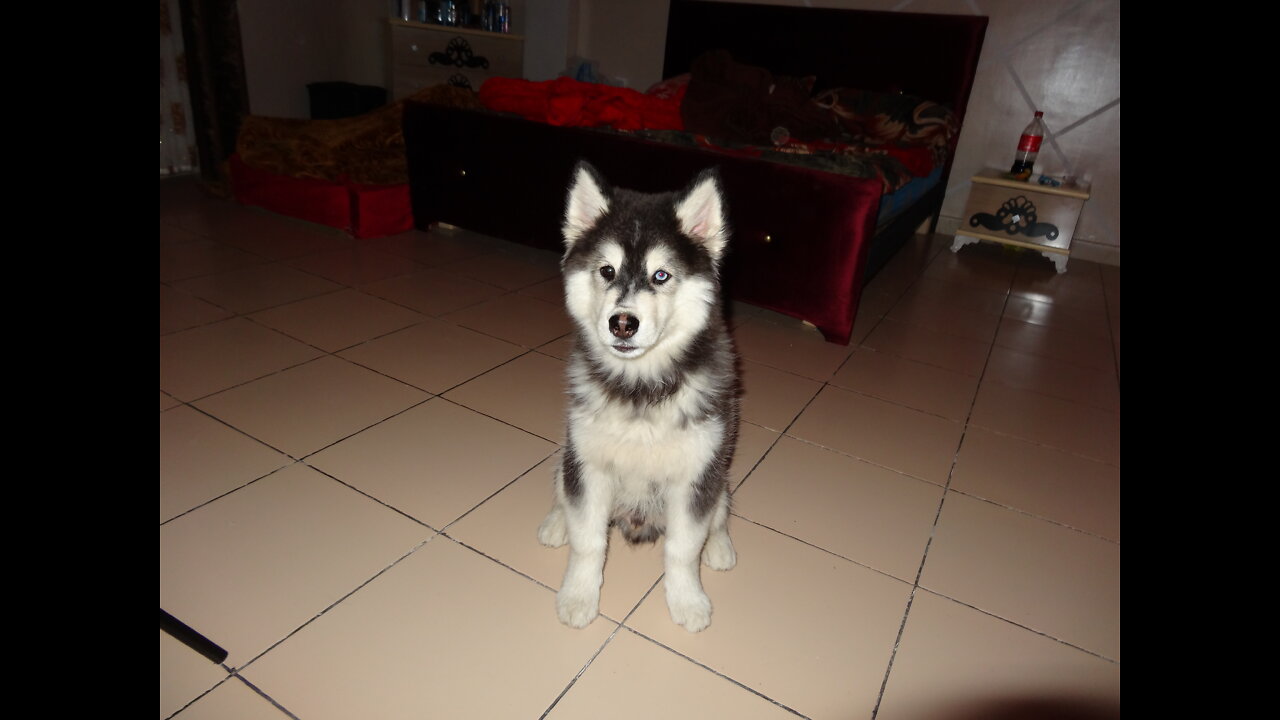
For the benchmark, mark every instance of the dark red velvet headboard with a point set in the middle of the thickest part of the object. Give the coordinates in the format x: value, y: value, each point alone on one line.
x: 931, y: 56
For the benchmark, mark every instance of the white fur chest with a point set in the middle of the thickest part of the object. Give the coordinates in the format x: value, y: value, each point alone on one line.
x: 646, y: 445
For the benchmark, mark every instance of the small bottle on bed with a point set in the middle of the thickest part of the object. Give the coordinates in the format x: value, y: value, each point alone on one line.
x: 1028, y: 148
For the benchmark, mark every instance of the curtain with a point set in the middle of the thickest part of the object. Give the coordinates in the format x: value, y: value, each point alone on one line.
x: 177, y: 141
x: 215, y: 70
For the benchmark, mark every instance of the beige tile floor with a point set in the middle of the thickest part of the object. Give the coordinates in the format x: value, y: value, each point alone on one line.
x: 356, y: 442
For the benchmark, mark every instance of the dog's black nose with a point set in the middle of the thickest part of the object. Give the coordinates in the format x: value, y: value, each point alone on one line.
x: 623, y: 325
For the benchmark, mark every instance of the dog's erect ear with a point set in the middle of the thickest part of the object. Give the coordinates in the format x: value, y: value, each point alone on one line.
x: 700, y: 210
x: 588, y: 201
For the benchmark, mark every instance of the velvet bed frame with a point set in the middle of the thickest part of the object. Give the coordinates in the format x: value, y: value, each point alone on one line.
x: 804, y: 241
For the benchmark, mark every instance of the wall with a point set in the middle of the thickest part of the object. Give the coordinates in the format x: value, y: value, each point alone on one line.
x: 290, y: 43
x: 1059, y: 56
x: 550, y: 34
x: 286, y: 45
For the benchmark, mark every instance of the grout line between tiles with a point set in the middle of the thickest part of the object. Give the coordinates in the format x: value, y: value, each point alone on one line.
x: 713, y: 671
x: 1051, y: 521
x: 238, y: 488
x: 780, y: 434
x: 734, y: 490
x: 206, y: 396
x: 859, y: 458
x: 495, y: 493
x: 246, y: 313
x: 264, y: 261
x: 622, y: 625
x: 819, y: 548
x: 933, y: 531
x: 302, y: 458
x: 899, y: 403
x: 381, y: 502
x: 264, y: 695
x: 619, y: 625
x: 370, y: 426
x: 1020, y: 626
x: 230, y: 674
x: 337, y: 602
x: 493, y: 559
x: 498, y: 419
x: 425, y: 390
x: 1040, y: 444
x: 1070, y: 400
x: 946, y: 487
x: 592, y: 659
x: 425, y: 319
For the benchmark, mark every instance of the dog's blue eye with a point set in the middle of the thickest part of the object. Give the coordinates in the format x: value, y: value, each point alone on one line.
x: 661, y: 276
x: 607, y: 272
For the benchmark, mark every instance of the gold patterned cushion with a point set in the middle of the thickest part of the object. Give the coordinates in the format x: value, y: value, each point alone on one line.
x: 366, y: 150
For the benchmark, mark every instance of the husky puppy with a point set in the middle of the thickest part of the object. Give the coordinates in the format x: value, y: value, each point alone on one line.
x: 653, y: 390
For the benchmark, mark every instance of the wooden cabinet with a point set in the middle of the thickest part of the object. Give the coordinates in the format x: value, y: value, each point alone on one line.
x: 1016, y: 212
x: 422, y: 55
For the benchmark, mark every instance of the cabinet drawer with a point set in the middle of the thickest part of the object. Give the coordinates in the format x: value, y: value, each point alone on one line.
x: 1023, y: 215
x: 410, y: 79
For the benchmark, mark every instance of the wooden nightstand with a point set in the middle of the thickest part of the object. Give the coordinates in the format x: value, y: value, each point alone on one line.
x: 423, y: 55
x: 1029, y: 215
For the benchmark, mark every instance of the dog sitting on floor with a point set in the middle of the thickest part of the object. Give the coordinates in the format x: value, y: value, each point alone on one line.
x: 653, y: 390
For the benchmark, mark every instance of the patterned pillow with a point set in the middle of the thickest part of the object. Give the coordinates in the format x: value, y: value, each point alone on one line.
x: 884, y: 119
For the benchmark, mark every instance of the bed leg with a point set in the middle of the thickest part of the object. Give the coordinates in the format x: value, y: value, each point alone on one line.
x: 933, y: 221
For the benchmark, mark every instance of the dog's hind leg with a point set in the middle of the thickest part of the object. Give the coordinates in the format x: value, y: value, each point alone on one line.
x: 718, y: 553
x: 686, y: 534
x: 552, y: 532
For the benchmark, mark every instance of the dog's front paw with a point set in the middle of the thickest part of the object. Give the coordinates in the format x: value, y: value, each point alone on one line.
x: 577, y: 610
x: 552, y: 532
x: 692, y: 611
x: 718, y: 554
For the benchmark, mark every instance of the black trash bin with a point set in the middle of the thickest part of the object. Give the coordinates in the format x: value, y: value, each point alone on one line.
x: 343, y: 99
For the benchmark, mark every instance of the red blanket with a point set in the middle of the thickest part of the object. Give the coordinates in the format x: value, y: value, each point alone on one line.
x: 568, y: 102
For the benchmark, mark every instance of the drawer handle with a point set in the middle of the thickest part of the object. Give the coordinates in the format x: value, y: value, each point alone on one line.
x: 459, y: 54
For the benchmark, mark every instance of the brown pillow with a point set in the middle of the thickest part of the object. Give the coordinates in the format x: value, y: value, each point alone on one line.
x: 733, y: 101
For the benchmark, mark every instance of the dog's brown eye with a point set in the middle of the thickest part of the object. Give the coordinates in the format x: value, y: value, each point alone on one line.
x: 607, y: 272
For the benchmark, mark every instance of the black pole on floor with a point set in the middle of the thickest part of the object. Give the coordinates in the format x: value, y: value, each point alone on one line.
x: 192, y: 639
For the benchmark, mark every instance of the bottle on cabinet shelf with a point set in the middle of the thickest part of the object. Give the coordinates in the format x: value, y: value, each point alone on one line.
x: 1028, y: 148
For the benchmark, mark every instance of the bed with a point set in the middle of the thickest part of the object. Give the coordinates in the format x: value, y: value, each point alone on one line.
x: 804, y: 241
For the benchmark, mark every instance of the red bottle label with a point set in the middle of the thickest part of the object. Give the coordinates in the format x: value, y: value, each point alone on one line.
x: 1029, y: 143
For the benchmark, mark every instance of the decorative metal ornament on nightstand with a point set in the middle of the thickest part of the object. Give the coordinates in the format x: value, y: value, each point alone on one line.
x: 1017, y: 217
x: 1010, y: 211
x: 459, y: 54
